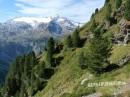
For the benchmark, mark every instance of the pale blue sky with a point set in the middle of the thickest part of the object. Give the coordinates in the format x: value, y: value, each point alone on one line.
x: 77, y: 10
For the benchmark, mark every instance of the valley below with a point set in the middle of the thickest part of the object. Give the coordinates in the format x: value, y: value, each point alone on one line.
x: 22, y: 35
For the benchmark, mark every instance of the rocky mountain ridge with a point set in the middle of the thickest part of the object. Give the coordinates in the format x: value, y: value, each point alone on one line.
x: 24, y: 34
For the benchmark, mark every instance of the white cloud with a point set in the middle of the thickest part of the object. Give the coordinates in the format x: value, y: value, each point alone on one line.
x: 77, y: 10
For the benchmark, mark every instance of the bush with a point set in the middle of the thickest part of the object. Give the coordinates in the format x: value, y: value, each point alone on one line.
x: 76, y: 38
x: 118, y: 3
x: 96, y: 10
x: 82, y: 61
x: 107, y: 1
x: 93, y: 25
x: 127, y: 10
x: 48, y: 72
x: 108, y: 12
x: 68, y: 41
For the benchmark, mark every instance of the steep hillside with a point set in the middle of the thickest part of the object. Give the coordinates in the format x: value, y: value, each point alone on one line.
x: 67, y: 81
x: 92, y: 62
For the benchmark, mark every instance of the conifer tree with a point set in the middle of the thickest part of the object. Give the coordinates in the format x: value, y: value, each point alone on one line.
x: 92, y: 16
x: 82, y: 61
x: 68, y: 41
x: 127, y: 10
x: 50, y: 49
x: 107, y: 1
x: 100, y: 48
x: 21, y: 64
x: 108, y: 12
x: 118, y: 3
x: 93, y: 25
x: 33, y: 60
x: 27, y: 66
x: 76, y: 38
x: 96, y: 10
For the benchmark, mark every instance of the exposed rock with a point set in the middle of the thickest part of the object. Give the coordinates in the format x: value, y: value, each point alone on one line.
x: 124, y: 35
x: 120, y: 12
x: 123, y: 90
x: 107, y: 24
x: 94, y: 95
x: 127, y: 38
x: 124, y: 60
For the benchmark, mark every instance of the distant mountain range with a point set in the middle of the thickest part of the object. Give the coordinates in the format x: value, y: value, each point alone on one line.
x: 24, y: 34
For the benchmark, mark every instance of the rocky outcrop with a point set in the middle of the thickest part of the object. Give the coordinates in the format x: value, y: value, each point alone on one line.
x: 124, y: 60
x: 115, y: 16
x: 124, y: 35
x: 125, y: 30
x: 94, y: 95
x: 119, y: 13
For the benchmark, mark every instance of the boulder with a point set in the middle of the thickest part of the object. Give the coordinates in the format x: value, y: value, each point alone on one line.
x: 124, y: 60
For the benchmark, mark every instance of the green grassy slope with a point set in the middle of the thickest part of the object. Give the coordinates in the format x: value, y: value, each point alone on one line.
x: 119, y: 51
x: 68, y: 76
x: 66, y: 82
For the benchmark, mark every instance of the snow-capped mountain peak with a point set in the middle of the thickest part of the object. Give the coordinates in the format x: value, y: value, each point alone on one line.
x: 26, y: 25
x: 33, y: 20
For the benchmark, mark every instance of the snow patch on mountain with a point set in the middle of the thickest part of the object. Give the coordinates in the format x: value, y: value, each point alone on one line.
x: 33, y: 20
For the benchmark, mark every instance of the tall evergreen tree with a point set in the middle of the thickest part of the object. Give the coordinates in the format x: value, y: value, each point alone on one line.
x: 68, y: 41
x: 76, y: 38
x: 21, y: 63
x: 50, y: 50
x: 92, y: 16
x: 98, y: 52
x: 96, y: 10
x: 107, y: 1
x: 118, y: 3
x: 33, y: 60
x: 100, y: 48
x: 108, y: 12
x: 27, y: 66
x: 82, y: 61
x: 127, y: 10
x: 93, y: 25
